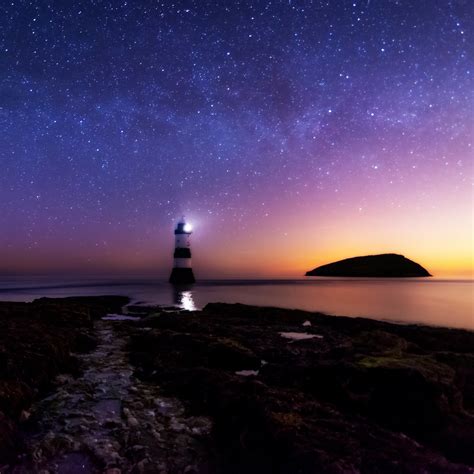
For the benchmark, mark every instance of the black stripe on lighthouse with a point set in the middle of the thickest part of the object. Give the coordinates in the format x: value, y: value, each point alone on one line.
x: 180, y: 252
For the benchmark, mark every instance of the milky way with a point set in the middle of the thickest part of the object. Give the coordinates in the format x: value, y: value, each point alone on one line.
x: 290, y: 127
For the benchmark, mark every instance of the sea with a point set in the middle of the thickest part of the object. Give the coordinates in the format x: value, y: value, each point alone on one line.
x: 431, y: 301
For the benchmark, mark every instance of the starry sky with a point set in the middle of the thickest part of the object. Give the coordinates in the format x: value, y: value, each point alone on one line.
x: 290, y: 133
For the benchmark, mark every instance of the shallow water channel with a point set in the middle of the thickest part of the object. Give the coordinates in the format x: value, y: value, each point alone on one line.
x: 106, y: 420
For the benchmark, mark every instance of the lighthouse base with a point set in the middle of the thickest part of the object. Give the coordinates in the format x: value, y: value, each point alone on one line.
x: 180, y: 276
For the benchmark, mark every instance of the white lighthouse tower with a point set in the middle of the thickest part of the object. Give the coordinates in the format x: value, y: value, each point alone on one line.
x: 182, y: 270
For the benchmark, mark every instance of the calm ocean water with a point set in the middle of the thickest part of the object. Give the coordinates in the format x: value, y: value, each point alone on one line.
x: 434, y: 301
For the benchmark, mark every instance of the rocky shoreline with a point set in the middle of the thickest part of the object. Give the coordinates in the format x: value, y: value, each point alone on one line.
x: 229, y: 389
x: 36, y: 345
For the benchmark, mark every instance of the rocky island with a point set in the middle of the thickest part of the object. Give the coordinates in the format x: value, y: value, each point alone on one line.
x: 388, y: 265
x: 92, y: 385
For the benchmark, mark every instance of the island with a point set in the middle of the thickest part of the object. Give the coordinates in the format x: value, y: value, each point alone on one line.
x: 387, y: 265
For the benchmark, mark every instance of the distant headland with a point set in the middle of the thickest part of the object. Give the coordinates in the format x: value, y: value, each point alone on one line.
x: 387, y: 265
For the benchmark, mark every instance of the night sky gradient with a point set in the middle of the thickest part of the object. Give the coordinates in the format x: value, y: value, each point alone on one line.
x: 289, y: 133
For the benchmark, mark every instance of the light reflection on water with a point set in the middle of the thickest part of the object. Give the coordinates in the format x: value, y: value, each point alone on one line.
x: 434, y: 301
x: 186, y: 301
x: 183, y: 297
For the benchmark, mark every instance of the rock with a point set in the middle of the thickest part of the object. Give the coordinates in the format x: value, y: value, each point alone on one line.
x: 36, y: 341
x: 10, y: 439
x: 366, y: 396
x: 191, y: 470
x: 84, y: 342
x: 336, y: 404
x: 142, y: 465
x: 132, y: 422
x: 24, y: 415
x: 378, y: 341
x: 15, y: 397
x: 388, y: 265
x: 226, y: 353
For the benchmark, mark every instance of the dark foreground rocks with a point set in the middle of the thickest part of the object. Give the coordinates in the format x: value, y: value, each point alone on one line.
x: 36, y: 343
x: 279, y: 391
x: 347, y: 395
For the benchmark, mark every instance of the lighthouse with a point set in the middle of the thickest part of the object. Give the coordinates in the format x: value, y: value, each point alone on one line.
x: 182, y: 271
